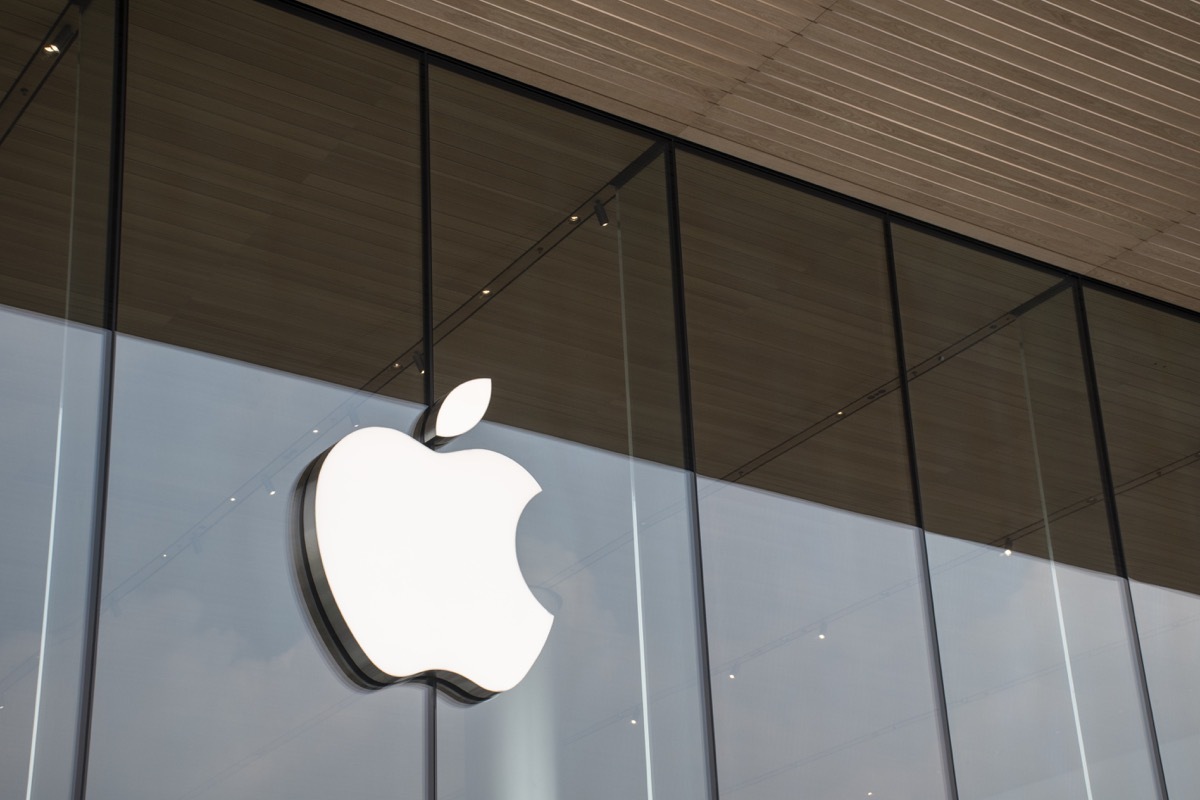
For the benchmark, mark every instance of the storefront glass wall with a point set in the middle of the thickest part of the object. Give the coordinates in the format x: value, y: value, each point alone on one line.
x: 55, y: 66
x: 831, y: 504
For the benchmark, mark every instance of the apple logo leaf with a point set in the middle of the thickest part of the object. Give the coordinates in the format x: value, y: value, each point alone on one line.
x: 456, y: 413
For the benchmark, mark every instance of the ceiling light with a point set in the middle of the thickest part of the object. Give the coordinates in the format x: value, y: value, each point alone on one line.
x: 51, y: 49
x: 601, y: 214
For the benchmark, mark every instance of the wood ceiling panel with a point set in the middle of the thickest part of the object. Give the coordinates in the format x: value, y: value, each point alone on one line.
x: 945, y: 121
x: 1038, y: 132
x: 854, y: 115
x: 996, y: 77
x: 879, y: 169
x: 23, y: 26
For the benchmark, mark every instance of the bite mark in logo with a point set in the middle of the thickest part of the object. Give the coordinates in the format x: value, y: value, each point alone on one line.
x: 411, y: 553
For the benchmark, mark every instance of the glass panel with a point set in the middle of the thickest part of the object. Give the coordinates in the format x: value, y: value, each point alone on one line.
x: 790, y: 335
x: 212, y: 681
x: 270, y: 268
x: 795, y: 391
x: 54, y: 155
x: 272, y: 202
x: 508, y: 175
x: 1149, y: 381
x: 1037, y: 663
x: 576, y: 330
x: 804, y: 601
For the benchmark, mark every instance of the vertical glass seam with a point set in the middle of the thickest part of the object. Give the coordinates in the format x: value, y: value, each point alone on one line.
x: 1114, y: 527
x: 426, y: 229
x: 926, y: 580
x: 431, y: 763
x: 116, y: 177
x: 689, y: 459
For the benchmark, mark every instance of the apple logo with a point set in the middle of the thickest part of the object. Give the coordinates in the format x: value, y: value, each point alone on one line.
x: 411, y: 554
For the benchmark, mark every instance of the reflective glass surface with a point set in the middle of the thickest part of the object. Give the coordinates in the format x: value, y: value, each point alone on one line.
x: 552, y: 276
x: 271, y: 200
x: 270, y: 279
x: 212, y: 680
x: 1149, y: 378
x: 794, y: 372
x: 54, y: 136
x: 808, y: 582
x: 821, y: 674
x: 1038, y: 666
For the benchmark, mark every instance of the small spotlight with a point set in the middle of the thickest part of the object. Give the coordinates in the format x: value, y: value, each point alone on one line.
x: 732, y: 676
x: 824, y: 629
x: 574, y: 218
x: 601, y: 214
x: 233, y: 499
x: 840, y: 413
x: 271, y: 493
x: 486, y: 291
x: 52, y: 49
x: 316, y: 430
x: 1008, y: 547
x: 633, y: 722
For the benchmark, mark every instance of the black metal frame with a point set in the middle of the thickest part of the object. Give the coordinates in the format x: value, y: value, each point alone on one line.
x: 672, y: 144
x: 926, y: 580
x: 1114, y: 528
x: 94, y: 594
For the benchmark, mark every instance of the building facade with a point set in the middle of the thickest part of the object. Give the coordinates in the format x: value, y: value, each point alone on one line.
x: 834, y: 504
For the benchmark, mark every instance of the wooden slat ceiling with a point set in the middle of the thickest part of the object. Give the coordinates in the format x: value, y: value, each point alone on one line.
x: 1068, y: 131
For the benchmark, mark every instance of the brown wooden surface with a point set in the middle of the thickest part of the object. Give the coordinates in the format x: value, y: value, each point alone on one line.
x: 1069, y: 132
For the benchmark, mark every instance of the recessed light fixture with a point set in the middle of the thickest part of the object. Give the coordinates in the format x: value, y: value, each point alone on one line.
x: 633, y: 722
x: 574, y: 218
x: 233, y: 499
x: 486, y: 291
x: 271, y: 493
x: 316, y: 430
x: 52, y: 49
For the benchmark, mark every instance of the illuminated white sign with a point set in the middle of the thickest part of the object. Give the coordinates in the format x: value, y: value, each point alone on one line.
x: 412, y: 553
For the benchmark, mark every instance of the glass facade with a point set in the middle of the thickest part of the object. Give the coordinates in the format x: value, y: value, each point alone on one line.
x: 832, y: 504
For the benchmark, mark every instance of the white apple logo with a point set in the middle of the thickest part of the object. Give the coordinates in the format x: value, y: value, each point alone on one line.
x: 412, y: 553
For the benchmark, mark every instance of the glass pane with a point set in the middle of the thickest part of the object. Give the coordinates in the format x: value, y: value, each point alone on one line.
x: 1149, y: 381
x: 795, y: 391
x: 54, y: 133
x: 1037, y: 663
x: 272, y: 201
x: 790, y: 336
x: 212, y: 681
x: 271, y: 274
x: 822, y: 683
x: 573, y: 320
